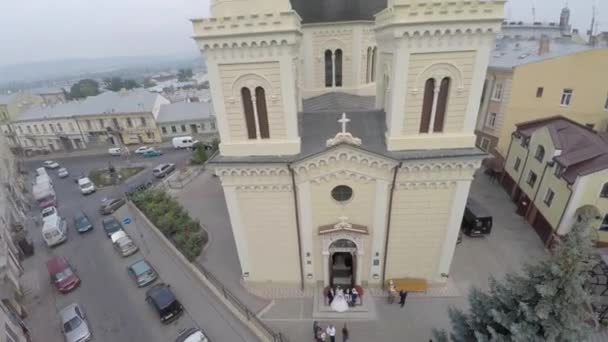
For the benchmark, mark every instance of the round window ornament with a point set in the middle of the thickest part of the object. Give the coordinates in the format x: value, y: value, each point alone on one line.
x: 342, y: 193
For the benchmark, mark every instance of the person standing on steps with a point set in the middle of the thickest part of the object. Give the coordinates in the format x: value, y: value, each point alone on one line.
x: 344, y: 333
x: 402, y: 296
x: 331, y: 331
x: 315, y: 330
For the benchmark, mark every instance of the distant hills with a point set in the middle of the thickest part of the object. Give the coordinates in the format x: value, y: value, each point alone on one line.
x: 64, y: 70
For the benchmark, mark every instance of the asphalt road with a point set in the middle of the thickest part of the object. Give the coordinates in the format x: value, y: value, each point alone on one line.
x: 115, y: 307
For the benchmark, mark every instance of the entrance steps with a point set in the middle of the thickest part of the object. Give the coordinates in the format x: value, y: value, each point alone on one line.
x: 322, y: 310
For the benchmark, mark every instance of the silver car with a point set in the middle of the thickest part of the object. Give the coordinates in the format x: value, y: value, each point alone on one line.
x: 74, y: 324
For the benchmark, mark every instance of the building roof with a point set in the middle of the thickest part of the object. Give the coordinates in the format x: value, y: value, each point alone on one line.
x: 185, y: 111
x: 583, y: 150
x: 323, y: 11
x: 319, y: 122
x: 510, y: 53
x: 46, y: 91
x: 7, y: 98
x: 131, y: 101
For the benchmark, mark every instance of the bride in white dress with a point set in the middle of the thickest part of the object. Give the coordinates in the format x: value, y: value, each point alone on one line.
x: 339, y: 303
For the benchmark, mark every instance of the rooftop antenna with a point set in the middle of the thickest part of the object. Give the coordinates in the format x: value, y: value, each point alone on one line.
x: 533, y: 12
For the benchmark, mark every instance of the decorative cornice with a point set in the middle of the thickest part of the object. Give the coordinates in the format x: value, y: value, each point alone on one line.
x: 342, y: 175
x: 424, y: 185
x: 344, y: 154
x: 264, y: 188
x: 432, y: 166
x: 251, y: 171
x: 343, y: 138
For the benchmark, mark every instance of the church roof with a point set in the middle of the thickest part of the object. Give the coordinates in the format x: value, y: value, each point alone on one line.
x: 319, y: 122
x: 323, y: 11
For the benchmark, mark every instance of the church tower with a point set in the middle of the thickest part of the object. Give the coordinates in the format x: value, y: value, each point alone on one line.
x: 433, y: 56
x: 251, y: 51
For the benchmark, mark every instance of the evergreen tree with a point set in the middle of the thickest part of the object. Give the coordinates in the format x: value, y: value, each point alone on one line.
x: 548, y: 302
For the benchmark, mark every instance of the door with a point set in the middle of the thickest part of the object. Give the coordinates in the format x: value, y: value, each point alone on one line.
x: 522, y: 205
x: 194, y: 129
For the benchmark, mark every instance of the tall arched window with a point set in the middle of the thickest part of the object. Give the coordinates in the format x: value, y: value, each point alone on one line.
x: 369, y: 63
x: 442, y: 104
x: 540, y: 153
x: 427, y: 105
x: 374, y: 57
x: 338, y: 67
x: 249, y: 113
x: 329, y: 70
x: 260, y: 103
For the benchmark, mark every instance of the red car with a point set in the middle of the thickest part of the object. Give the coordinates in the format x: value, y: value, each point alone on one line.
x: 63, y: 276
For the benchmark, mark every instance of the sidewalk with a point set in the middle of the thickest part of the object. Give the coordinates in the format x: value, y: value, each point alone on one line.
x: 205, y: 309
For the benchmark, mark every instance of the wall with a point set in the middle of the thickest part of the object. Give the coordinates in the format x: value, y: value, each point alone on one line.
x: 49, y: 139
x: 540, y: 137
x: 583, y: 72
x: 493, y: 105
x: 205, y: 128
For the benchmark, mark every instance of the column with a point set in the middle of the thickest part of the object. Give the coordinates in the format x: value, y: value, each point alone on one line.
x: 255, y: 114
x: 400, y: 65
x: 379, y: 230
x: 479, y: 74
x: 435, y: 98
x: 306, y: 229
x: 238, y: 230
x: 360, y: 255
x: 459, y: 201
x: 333, y: 68
x: 325, y: 268
x: 219, y: 105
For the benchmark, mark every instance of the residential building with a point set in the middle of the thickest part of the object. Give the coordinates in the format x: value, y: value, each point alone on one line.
x: 520, y: 30
x: 194, y: 119
x: 556, y: 171
x: 125, y: 117
x: 347, y: 133
x: 535, y: 79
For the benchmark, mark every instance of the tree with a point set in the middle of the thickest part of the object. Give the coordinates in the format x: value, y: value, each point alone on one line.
x: 130, y: 84
x: 117, y: 84
x: 548, y: 302
x: 148, y: 83
x: 84, y: 88
x: 184, y: 75
x: 199, y: 155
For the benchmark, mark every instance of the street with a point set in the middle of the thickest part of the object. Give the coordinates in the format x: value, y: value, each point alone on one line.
x: 115, y: 307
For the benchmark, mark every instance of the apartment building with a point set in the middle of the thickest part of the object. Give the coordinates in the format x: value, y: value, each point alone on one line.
x: 194, y: 119
x: 556, y: 171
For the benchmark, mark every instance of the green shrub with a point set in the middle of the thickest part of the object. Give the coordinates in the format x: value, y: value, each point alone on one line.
x: 199, y: 155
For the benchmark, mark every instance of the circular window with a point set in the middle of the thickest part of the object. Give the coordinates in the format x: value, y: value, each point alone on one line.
x: 342, y: 193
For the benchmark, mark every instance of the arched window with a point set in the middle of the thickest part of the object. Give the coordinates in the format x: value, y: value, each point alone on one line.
x: 540, y: 153
x: 249, y: 114
x: 338, y: 67
x: 260, y: 103
x: 369, y: 63
x: 427, y: 105
x: 604, y: 192
x: 329, y: 70
x: 373, y: 71
x: 442, y: 103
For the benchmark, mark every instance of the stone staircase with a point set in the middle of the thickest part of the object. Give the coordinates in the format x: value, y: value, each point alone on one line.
x: 364, y: 311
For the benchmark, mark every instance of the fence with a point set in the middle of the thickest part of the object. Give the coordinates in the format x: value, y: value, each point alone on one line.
x: 251, y: 316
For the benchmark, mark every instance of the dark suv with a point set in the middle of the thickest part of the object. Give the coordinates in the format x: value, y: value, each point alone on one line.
x: 164, y: 302
x: 476, y: 220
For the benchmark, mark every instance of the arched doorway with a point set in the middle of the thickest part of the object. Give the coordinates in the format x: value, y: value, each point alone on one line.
x: 342, y: 263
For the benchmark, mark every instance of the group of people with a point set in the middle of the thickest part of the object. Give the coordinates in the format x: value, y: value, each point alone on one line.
x: 350, y: 296
x: 392, y: 293
x: 329, y: 333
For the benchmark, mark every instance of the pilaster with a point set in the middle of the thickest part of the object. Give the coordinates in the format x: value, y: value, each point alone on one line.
x: 230, y: 193
x: 379, y: 230
x: 307, y: 230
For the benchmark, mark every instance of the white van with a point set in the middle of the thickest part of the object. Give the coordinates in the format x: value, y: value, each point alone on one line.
x: 41, y: 172
x: 184, y: 142
x: 54, y: 230
x: 86, y: 186
x: 40, y: 179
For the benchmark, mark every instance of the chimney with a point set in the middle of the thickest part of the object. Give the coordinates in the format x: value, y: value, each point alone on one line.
x: 544, y: 45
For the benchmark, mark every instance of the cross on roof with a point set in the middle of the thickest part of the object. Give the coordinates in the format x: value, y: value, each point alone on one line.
x: 344, y: 120
x: 343, y: 219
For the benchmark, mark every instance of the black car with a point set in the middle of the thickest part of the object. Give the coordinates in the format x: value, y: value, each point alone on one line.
x: 111, y: 205
x: 164, y: 302
x: 476, y: 220
x: 110, y: 225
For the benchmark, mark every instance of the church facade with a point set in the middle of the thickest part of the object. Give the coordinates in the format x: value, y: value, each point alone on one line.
x: 347, y: 133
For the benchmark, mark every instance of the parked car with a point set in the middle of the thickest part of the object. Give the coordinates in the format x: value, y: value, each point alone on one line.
x: 191, y: 335
x: 152, y: 153
x: 123, y: 243
x: 163, y: 169
x: 117, y: 151
x: 142, y: 149
x: 49, y: 164
x: 476, y: 220
x: 48, y: 213
x: 74, y: 324
x: 54, y: 230
x: 142, y: 272
x: 86, y: 186
x: 82, y: 222
x: 63, y: 275
x: 110, y: 226
x: 164, y: 302
x: 63, y: 172
x: 184, y: 142
x: 136, y: 187
x: 111, y: 205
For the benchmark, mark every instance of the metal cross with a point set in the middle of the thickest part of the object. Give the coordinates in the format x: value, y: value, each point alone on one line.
x: 343, y: 219
x: 344, y: 120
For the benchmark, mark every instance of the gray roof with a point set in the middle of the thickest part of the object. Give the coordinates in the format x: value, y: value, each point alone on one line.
x: 320, y: 11
x: 6, y: 98
x: 132, y: 101
x: 366, y: 123
x: 510, y: 53
x: 46, y: 91
x: 185, y: 111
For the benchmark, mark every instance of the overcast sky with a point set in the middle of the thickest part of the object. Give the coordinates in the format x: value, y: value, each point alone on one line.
x: 38, y: 30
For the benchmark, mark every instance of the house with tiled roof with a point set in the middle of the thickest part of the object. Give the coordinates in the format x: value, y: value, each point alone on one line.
x: 556, y: 171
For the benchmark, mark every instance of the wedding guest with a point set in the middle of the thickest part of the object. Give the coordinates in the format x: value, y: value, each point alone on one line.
x: 331, y: 331
x: 345, y: 333
x: 348, y: 297
x: 354, y: 295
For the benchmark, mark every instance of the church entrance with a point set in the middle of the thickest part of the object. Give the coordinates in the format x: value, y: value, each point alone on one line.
x: 342, y: 263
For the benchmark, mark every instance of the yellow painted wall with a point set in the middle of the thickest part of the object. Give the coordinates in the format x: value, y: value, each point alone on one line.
x: 235, y: 116
x: 332, y: 37
x: 584, y: 72
x: 517, y: 151
x: 591, y: 196
x: 268, y: 220
x: 418, y: 227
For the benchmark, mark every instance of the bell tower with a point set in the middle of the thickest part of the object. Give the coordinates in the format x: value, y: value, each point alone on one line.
x: 251, y: 52
x: 435, y: 54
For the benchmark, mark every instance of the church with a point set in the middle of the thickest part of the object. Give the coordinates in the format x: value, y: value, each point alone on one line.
x: 347, y: 133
